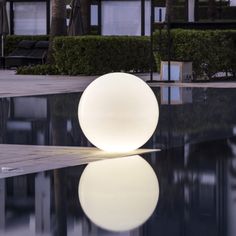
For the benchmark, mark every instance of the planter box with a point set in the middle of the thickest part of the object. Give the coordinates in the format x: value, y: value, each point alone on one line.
x: 180, y: 71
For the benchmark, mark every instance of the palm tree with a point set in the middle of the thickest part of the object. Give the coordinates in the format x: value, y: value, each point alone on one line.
x: 58, y: 24
x: 85, y: 13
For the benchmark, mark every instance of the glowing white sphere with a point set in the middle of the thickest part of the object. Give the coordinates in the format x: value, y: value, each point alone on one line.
x: 119, y: 194
x: 118, y: 112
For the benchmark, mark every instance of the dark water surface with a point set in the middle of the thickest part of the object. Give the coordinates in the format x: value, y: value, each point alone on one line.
x: 196, y: 171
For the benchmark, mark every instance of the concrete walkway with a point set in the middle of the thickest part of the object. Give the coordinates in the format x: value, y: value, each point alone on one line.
x: 12, y: 85
x: 24, y: 159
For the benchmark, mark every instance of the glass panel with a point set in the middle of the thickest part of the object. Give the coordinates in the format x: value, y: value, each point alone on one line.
x: 233, y: 3
x: 94, y: 15
x: 121, y: 18
x: 30, y: 18
x: 159, y: 14
x: 147, y: 17
x: 191, y: 6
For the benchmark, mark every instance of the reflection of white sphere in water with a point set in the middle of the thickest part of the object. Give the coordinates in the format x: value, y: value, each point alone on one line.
x: 118, y: 112
x: 119, y: 194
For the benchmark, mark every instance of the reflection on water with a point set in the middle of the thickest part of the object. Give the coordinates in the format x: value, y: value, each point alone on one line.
x: 175, y: 95
x: 197, y: 196
x: 119, y: 194
x: 187, y: 115
x: 192, y: 115
x: 196, y: 168
x: 41, y: 120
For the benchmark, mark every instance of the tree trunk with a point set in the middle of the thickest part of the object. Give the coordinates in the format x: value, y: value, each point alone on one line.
x: 85, y: 13
x: 58, y: 25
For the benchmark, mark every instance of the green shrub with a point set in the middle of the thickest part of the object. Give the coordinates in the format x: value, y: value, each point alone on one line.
x: 38, y: 70
x: 211, y: 51
x: 101, y: 54
x: 13, y: 40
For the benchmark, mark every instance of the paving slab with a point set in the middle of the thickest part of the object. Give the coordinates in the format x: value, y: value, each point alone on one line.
x: 12, y: 85
x: 24, y: 159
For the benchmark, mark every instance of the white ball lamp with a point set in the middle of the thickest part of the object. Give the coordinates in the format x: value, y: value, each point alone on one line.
x: 118, y: 112
x: 119, y: 194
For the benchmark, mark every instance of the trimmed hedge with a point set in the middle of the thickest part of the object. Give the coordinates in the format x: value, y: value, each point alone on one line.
x: 101, y: 54
x: 211, y: 51
x: 38, y: 70
x: 13, y: 40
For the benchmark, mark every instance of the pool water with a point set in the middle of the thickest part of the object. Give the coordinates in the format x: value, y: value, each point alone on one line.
x: 187, y: 188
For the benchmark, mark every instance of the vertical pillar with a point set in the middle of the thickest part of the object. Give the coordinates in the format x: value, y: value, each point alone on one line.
x: 142, y: 17
x: 230, y: 197
x: 20, y: 186
x: 42, y: 203
x: 48, y: 20
x: 11, y: 18
x: 2, y: 204
x: 100, y: 17
x: 196, y: 10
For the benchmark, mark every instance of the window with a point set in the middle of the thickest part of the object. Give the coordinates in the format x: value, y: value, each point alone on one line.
x: 94, y: 15
x: 159, y: 13
x: 30, y: 18
x: 124, y: 17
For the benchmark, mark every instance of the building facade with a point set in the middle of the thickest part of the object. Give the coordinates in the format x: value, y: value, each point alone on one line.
x: 115, y: 17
